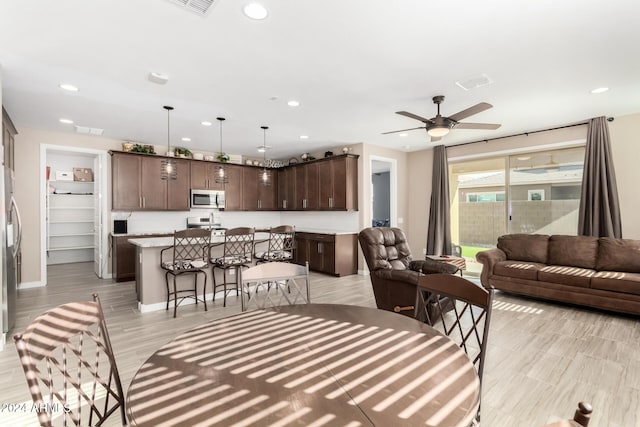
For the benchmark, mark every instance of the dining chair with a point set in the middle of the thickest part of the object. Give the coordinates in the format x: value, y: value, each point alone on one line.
x: 273, y: 284
x: 189, y: 255
x: 466, y: 322
x: 581, y: 417
x: 280, y: 245
x: 69, y: 366
x: 236, y: 253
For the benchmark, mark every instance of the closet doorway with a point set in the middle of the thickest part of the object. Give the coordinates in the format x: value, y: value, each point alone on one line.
x: 74, y: 211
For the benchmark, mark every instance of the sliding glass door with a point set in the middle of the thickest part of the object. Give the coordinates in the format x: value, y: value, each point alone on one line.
x: 536, y: 192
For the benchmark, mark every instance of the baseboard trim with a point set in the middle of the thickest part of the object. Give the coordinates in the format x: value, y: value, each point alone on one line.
x: 148, y: 308
x: 29, y: 285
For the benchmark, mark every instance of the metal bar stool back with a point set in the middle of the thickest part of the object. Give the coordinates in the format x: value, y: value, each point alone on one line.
x: 188, y: 255
x: 237, y: 253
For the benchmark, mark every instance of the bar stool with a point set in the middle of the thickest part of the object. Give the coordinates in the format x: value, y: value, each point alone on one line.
x: 281, y: 243
x: 188, y: 256
x: 237, y: 253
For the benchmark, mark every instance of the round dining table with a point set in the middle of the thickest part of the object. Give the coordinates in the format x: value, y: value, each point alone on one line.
x: 307, y: 365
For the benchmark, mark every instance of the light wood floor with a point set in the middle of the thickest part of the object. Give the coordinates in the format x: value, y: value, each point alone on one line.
x: 543, y: 357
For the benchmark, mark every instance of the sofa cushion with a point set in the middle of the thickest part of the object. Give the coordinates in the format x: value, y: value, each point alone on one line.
x: 519, y: 269
x: 618, y: 255
x: 566, y: 275
x: 573, y: 251
x: 525, y: 247
x: 628, y: 283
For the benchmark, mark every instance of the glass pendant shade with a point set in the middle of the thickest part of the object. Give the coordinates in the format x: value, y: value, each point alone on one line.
x: 168, y: 167
x: 221, y: 176
x: 265, y: 174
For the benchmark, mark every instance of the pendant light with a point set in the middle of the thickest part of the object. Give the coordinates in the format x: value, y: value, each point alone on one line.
x: 265, y: 175
x: 168, y: 169
x: 221, y: 173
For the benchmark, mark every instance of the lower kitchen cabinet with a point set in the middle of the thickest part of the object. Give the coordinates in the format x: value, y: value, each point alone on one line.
x: 123, y: 256
x: 335, y: 254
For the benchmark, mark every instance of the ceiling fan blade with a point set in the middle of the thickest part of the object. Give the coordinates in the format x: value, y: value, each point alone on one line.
x: 435, y: 138
x: 478, y: 108
x: 413, y: 116
x: 402, y: 130
x: 490, y: 126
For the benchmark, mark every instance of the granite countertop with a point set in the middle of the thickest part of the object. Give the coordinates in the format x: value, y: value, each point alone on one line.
x: 148, y: 233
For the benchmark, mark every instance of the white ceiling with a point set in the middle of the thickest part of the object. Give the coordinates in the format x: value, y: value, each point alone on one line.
x: 350, y: 63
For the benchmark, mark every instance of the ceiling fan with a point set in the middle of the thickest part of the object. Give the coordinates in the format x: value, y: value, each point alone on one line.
x: 439, y: 126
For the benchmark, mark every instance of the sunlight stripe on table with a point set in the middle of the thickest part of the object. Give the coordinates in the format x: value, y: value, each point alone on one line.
x: 188, y: 407
x: 362, y: 364
x: 258, y: 416
x: 228, y: 336
x: 322, y: 421
x: 148, y: 370
x: 325, y: 357
x: 240, y: 338
x: 282, y: 422
x: 178, y: 393
x: 273, y: 346
x: 421, y: 378
x: 161, y: 378
x: 163, y: 387
x: 384, y: 367
x: 452, y: 405
x: 219, y: 417
x: 409, y: 369
x: 304, y: 352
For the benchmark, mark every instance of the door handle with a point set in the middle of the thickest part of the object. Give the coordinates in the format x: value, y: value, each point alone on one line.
x: 16, y: 247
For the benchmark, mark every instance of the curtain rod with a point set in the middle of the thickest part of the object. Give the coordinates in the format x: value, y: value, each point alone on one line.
x: 609, y: 119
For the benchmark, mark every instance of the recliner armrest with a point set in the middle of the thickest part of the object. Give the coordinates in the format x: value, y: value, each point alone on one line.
x: 430, y: 266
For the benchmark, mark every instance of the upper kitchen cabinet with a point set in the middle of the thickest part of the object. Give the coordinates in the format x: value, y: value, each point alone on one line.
x: 203, y: 175
x: 136, y: 184
x: 255, y: 195
x: 233, y: 188
x: 306, y: 189
x: 338, y: 188
x: 286, y: 188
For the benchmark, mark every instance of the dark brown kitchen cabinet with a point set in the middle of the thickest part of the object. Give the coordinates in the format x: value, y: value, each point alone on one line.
x: 233, y: 188
x: 178, y: 192
x: 286, y: 188
x: 255, y: 195
x: 334, y: 254
x: 339, y: 184
x: 123, y: 256
x: 203, y: 175
x: 8, y: 141
x: 306, y: 189
x: 136, y: 184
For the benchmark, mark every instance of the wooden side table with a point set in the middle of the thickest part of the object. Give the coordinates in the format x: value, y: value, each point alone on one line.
x: 459, y: 262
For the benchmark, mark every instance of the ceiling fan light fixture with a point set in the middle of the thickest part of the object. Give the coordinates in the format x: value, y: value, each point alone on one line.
x: 438, y: 131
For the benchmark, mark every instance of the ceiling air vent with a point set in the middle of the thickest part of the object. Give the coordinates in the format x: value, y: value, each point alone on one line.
x: 89, y: 131
x: 197, y: 6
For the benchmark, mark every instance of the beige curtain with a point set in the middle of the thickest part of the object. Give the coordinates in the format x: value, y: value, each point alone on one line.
x: 599, y: 206
x: 439, y: 231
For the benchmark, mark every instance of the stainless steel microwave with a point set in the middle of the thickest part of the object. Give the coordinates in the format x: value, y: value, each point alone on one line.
x: 208, y: 199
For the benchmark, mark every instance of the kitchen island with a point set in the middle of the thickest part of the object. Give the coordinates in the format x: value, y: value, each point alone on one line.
x: 332, y: 252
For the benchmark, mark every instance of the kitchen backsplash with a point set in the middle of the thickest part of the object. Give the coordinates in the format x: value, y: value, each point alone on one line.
x: 167, y: 222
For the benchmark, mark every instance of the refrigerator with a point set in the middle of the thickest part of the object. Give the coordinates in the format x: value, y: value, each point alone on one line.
x: 11, y: 231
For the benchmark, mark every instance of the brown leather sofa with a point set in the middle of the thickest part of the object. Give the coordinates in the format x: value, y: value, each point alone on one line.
x: 394, y: 273
x: 596, y: 272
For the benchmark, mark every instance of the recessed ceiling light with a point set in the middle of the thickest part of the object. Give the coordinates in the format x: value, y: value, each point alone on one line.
x: 255, y: 11
x: 205, y: 123
x: 523, y: 158
x: 69, y: 87
x: 66, y: 121
x: 186, y: 139
x: 304, y: 136
x: 263, y: 148
x: 403, y: 134
x: 293, y: 103
x: 600, y: 90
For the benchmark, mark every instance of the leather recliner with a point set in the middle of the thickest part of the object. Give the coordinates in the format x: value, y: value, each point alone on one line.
x: 394, y: 274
